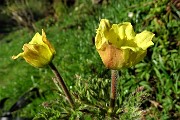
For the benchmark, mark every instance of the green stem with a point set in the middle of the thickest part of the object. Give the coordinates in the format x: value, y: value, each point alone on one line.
x: 114, y: 78
x: 62, y: 84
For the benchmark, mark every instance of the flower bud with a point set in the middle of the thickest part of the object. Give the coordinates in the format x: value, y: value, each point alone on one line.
x: 38, y: 52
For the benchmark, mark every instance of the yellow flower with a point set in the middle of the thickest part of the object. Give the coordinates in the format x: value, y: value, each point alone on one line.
x: 38, y: 52
x: 119, y: 46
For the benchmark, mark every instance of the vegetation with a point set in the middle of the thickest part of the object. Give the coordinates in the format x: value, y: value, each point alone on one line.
x: 149, y: 90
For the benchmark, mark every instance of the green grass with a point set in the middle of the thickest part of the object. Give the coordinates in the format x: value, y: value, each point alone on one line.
x: 84, y: 72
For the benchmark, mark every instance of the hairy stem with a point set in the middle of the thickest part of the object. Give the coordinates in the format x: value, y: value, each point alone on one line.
x: 114, y: 78
x: 62, y: 84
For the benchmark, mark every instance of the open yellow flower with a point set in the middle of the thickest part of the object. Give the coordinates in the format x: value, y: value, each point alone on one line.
x: 119, y: 46
x: 38, y: 52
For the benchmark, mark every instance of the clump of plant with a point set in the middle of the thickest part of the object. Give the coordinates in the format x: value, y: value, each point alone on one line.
x: 119, y: 47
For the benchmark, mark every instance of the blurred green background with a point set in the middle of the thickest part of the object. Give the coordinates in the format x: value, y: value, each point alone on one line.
x: 70, y: 25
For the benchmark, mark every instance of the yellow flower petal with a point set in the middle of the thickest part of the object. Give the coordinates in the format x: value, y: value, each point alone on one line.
x: 37, y: 55
x: 122, y: 34
x: 113, y: 37
x: 37, y: 39
x: 17, y: 56
x: 100, y: 39
x: 129, y: 47
x: 47, y: 42
x: 130, y: 34
x: 144, y: 39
